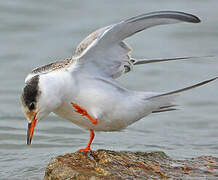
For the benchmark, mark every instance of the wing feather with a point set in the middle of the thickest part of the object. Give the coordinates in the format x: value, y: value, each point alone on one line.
x: 105, y: 50
x: 127, y: 28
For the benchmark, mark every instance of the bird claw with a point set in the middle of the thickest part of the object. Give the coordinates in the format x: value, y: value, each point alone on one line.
x: 94, y: 121
x: 85, y: 150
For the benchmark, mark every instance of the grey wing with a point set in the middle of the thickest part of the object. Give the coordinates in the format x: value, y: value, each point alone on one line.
x: 104, y: 50
x: 55, y: 66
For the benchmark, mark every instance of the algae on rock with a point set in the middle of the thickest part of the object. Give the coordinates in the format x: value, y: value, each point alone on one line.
x: 105, y: 164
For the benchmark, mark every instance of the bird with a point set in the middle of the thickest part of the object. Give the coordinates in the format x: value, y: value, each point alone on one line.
x: 84, y: 88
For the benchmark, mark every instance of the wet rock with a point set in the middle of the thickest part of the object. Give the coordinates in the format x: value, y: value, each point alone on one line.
x: 105, y: 164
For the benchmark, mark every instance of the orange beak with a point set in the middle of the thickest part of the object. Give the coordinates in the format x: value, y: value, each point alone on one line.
x: 30, y: 130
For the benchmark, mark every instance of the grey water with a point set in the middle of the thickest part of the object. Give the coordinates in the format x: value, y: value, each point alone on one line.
x: 34, y: 33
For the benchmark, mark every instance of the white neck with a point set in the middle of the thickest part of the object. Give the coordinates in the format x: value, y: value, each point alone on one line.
x: 54, y: 88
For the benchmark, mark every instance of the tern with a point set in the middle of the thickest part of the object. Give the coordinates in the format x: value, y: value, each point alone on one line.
x: 84, y: 88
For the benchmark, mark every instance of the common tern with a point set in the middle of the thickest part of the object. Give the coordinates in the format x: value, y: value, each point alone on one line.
x: 83, y: 89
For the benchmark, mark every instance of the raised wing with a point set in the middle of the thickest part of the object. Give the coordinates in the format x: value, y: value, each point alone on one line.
x: 104, y: 52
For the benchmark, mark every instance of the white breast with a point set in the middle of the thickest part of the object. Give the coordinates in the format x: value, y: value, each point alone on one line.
x: 114, y: 109
x: 108, y: 122
x: 67, y: 111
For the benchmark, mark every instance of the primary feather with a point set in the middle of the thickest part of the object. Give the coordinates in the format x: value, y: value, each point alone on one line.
x: 104, y: 52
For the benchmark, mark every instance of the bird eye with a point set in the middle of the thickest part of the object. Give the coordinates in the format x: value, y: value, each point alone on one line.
x: 32, y: 106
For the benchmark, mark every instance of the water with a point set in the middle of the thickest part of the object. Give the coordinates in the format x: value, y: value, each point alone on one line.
x: 34, y: 33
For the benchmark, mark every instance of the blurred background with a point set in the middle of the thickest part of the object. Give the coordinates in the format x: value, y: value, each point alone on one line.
x: 34, y: 33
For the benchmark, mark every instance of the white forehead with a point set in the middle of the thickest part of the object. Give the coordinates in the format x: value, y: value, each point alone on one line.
x: 29, y: 77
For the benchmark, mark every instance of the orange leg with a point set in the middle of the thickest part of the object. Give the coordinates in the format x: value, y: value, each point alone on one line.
x: 87, y: 148
x: 83, y: 112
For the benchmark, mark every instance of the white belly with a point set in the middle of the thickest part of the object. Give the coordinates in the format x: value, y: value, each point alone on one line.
x: 114, y: 107
x: 110, y: 121
x: 105, y: 123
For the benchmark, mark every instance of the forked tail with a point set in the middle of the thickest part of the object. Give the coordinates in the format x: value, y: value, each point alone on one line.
x: 165, y: 99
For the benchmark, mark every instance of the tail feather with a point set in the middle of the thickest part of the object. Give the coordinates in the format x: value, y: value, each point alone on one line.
x: 169, y: 106
x: 163, y: 102
x: 183, y: 89
x: 147, y: 61
x: 164, y: 110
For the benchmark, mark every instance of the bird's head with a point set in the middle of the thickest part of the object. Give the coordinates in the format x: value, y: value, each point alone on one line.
x: 34, y: 104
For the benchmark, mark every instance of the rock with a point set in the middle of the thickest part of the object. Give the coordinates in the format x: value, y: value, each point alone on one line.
x: 105, y: 164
